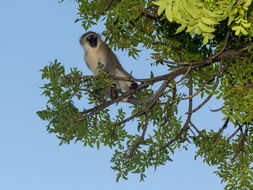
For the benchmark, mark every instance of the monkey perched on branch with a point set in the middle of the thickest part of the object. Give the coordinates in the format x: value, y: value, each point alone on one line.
x: 97, y: 51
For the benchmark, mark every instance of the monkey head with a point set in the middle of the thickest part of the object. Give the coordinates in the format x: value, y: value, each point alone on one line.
x: 90, y: 41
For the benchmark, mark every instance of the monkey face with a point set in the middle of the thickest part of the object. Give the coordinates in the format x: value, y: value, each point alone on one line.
x: 92, y: 40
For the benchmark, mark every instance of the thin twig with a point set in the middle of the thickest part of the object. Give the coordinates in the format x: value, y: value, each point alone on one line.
x: 141, y: 138
x: 183, y: 77
x: 241, y: 145
x: 192, y: 132
x: 109, y: 3
x: 196, y: 129
x: 234, y: 133
x: 190, y: 101
x: 166, y: 119
x: 148, y: 13
x: 222, y: 129
x: 186, y: 124
x: 217, y: 109
x: 214, y: 88
x: 201, y: 88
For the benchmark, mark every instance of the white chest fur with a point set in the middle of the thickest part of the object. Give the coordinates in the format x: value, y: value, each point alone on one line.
x: 92, y: 61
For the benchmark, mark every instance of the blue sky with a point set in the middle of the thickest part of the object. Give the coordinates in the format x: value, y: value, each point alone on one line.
x: 33, y: 33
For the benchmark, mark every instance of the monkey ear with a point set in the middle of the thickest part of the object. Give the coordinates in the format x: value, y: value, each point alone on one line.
x: 133, y: 86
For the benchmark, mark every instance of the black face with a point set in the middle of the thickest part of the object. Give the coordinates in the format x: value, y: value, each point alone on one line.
x: 93, y: 40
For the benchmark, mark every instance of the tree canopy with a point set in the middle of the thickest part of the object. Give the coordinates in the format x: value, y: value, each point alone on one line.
x: 207, y: 49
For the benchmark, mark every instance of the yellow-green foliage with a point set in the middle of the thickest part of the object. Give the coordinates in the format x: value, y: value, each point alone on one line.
x: 198, y: 17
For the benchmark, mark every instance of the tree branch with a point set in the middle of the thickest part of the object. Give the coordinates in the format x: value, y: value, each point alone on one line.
x: 201, y: 88
x: 151, y: 104
x: 166, y: 119
x: 107, y: 6
x: 141, y: 138
x: 186, y: 125
x: 222, y: 129
x: 100, y: 107
x: 241, y: 146
x: 216, y: 110
x: 148, y: 13
x: 214, y: 88
x: 234, y: 133
x: 183, y: 77
x: 196, y: 129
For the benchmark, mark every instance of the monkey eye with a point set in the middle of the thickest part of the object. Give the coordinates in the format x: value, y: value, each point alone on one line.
x: 90, y: 37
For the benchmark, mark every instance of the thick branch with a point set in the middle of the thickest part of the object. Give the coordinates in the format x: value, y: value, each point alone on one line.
x: 228, y: 55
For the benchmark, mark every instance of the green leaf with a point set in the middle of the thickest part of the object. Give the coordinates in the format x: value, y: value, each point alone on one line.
x: 98, y: 145
x: 168, y: 13
x: 237, y: 30
x: 247, y: 4
x: 181, y: 28
x: 209, y: 21
x: 205, y: 28
x: 246, y: 25
x: 136, y: 171
x: 118, y: 177
x: 207, y: 13
x: 231, y: 19
x: 162, y: 5
x: 244, y: 32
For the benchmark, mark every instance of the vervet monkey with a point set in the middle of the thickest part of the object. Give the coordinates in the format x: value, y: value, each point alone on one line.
x: 96, y: 51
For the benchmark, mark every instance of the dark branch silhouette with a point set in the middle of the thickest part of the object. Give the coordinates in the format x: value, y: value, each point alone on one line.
x: 141, y: 138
